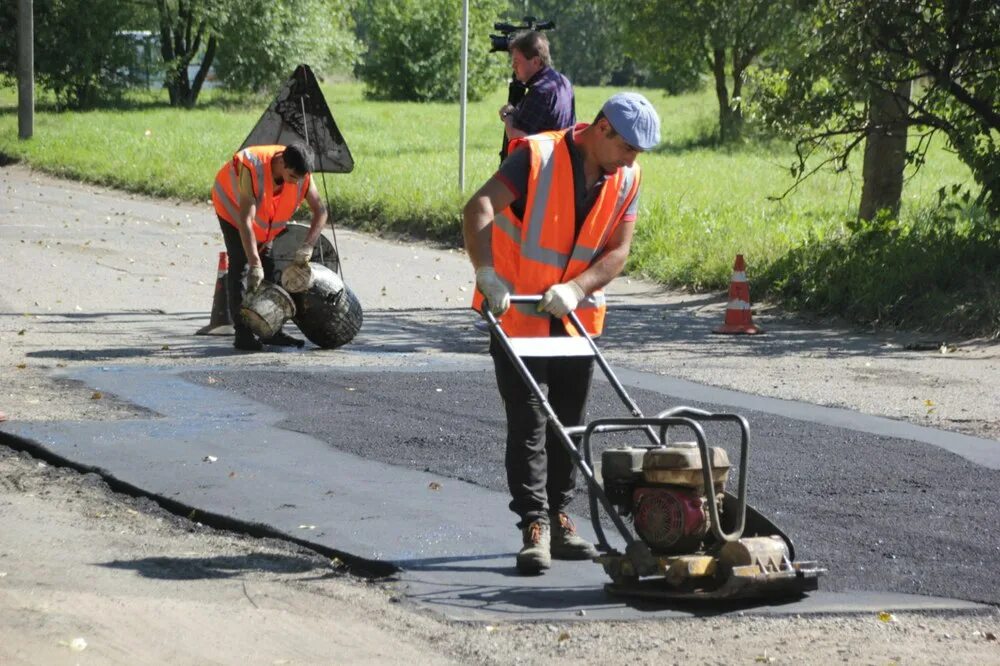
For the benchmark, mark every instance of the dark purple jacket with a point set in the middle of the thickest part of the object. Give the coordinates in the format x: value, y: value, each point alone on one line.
x: 548, y: 105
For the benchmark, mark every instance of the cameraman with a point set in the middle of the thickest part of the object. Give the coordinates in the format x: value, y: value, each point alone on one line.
x: 548, y: 103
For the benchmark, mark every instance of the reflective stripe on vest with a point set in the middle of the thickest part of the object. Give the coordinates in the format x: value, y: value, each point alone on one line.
x: 271, y: 213
x: 532, y: 255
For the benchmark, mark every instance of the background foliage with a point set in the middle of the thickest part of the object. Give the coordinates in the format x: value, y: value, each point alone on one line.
x: 263, y: 41
x: 814, y: 63
x: 81, y: 55
x: 413, y: 49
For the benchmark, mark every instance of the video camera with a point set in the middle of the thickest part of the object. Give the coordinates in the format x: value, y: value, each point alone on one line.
x: 501, y: 42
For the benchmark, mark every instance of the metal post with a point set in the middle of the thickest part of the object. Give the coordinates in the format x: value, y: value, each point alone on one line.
x: 464, y: 86
x: 25, y: 69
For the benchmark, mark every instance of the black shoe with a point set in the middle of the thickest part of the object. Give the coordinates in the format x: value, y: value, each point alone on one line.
x: 282, y: 339
x: 246, y: 341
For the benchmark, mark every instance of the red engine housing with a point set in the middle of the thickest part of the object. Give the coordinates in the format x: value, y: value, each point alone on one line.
x: 670, y: 519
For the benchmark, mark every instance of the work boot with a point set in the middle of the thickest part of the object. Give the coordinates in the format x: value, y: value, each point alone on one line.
x: 282, y: 339
x: 566, y: 543
x: 534, y: 556
x: 246, y: 341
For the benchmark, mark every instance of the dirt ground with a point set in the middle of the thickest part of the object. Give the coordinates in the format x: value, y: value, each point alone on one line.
x: 88, y: 576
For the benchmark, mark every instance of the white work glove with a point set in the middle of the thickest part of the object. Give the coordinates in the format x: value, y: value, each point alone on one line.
x: 254, y: 277
x: 303, y: 255
x: 561, y: 299
x: 297, y: 277
x: 492, y: 287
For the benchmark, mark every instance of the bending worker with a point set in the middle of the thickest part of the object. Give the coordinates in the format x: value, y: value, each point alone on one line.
x: 255, y: 195
x: 556, y: 219
x: 548, y: 103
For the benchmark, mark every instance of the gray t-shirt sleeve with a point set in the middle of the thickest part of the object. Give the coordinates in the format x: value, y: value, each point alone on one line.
x: 633, y: 208
x: 514, y: 171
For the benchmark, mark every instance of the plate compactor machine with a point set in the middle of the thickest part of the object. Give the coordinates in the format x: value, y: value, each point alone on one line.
x: 685, y: 536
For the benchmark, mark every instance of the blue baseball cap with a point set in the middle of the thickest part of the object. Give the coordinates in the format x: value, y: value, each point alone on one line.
x: 634, y: 117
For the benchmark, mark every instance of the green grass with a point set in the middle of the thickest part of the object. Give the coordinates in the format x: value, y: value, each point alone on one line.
x: 700, y: 205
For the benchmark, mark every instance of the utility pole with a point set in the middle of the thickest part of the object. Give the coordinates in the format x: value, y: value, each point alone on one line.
x: 25, y: 69
x: 464, y: 94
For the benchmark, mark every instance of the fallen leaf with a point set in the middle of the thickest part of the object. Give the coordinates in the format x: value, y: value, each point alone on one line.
x: 22, y: 331
x: 564, y: 636
x: 885, y: 616
x: 165, y: 347
x: 990, y: 636
x: 928, y: 403
x: 232, y: 475
x: 21, y: 366
x: 434, y: 485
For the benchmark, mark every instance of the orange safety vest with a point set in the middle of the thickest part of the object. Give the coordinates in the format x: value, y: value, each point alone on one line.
x: 272, y: 211
x: 533, y: 254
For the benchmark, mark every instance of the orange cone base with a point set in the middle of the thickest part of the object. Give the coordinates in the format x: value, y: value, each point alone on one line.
x: 220, y: 323
x: 739, y: 329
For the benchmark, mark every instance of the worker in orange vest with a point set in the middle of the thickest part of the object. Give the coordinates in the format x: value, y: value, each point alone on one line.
x: 255, y: 194
x: 556, y: 219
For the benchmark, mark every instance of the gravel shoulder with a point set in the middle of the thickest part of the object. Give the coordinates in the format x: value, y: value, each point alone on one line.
x: 97, y: 278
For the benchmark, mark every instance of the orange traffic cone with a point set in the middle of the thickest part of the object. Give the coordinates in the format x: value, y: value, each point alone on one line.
x: 220, y: 322
x: 738, y: 318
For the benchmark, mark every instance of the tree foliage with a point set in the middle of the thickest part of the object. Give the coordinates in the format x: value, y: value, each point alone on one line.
x: 857, y: 50
x: 413, y: 49
x: 681, y: 38
x: 603, y: 58
x: 262, y: 41
x: 81, y: 53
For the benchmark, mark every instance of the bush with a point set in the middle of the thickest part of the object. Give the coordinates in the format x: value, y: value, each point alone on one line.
x: 939, y: 271
x: 81, y: 55
x: 414, y: 50
x: 262, y: 41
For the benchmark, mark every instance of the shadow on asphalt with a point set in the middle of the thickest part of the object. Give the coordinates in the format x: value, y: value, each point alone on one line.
x: 223, y: 566
x: 522, y: 601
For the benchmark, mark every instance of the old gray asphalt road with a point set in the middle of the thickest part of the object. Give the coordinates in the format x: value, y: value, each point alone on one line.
x: 404, y: 465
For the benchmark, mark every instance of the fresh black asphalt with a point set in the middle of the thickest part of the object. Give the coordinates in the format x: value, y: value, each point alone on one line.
x: 882, y: 513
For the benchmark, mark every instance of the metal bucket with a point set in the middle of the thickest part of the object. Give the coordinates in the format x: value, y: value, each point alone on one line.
x: 328, y: 313
x: 267, y: 309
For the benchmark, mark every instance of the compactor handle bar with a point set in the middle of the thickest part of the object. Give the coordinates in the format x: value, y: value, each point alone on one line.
x: 601, y: 362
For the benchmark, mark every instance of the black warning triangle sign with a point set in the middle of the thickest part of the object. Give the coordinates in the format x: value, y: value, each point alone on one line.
x: 300, y: 113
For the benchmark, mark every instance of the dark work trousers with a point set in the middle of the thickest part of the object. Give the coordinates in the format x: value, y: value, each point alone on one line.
x: 540, y: 473
x: 235, y: 285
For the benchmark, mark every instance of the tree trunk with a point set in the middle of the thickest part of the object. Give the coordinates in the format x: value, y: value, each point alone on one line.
x: 726, y: 120
x: 885, y: 152
x: 199, y: 78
